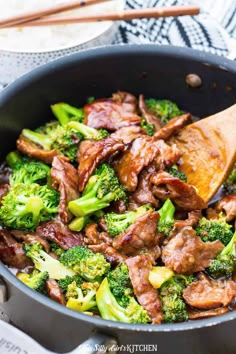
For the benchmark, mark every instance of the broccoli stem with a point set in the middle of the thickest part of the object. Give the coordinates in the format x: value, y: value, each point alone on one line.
x: 85, y: 206
x: 63, y: 111
x: 230, y: 248
x: 13, y: 159
x: 87, y: 132
x: 79, y: 223
x: 38, y: 138
x: 107, y: 304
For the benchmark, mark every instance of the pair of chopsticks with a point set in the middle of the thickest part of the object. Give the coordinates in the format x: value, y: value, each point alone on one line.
x: 44, y: 18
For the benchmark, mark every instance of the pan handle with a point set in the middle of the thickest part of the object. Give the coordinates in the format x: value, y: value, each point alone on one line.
x: 12, y: 340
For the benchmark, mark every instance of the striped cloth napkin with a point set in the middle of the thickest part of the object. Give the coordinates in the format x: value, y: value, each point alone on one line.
x: 214, y: 30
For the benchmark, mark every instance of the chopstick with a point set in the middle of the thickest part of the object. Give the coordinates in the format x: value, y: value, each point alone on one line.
x: 29, y: 16
x: 125, y: 15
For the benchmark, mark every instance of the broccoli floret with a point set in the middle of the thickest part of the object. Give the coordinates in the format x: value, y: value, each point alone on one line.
x: 230, y: 183
x: 111, y: 310
x: 48, y: 128
x: 82, y: 298
x: 120, y: 284
x: 164, y: 109
x: 36, y: 280
x: 63, y: 139
x: 150, y: 128
x: 166, y: 221
x: 28, y: 172
x: 88, y: 132
x: 26, y: 205
x: 173, y: 170
x: 90, y: 266
x: 214, y: 229
x: 117, y: 223
x: 45, y: 263
x: 56, y: 249
x: 173, y: 305
x: 102, y: 188
x: 65, y: 113
x: 65, y: 282
x: 225, y: 262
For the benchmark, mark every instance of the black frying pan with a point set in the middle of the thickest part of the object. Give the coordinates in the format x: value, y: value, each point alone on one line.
x: 155, y: 71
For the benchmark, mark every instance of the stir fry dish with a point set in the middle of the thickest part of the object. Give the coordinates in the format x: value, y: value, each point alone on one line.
x: 96, y: 214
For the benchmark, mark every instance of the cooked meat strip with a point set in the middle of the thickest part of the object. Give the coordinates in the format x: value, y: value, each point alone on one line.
x: 111, y: 255
x: 142, y: 234
x: 31, y: 238
x: 209, y: 294
x: 58, y: 232
x: 140, y: 154
x: 195, y: 315
x: 5, y: 173
x: 11, y: 251
x: 101, y: 242
x: 54, y: 291
x: 228, y: 204
x: 112, y: 113
x: 139, y: 268
x: 182, y: 194
x: 186, y: 253
x: 167, y: 156
x: 4, y: 188
x: 173, y: 126
x: 93, y: 236
x: 143, y: 193
x: 193, y: 217
x: 96, y: 153
x: 148, y: 115
x: 65, y: 179
x: 128, y: 134
x: 33, y: 150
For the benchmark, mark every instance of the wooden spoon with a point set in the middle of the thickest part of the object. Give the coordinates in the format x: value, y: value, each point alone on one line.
x: 209, y: 151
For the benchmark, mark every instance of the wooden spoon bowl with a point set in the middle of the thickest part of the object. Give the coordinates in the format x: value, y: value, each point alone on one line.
x: 209, y: 151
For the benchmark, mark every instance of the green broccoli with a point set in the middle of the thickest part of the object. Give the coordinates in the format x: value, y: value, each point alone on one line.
x: 36, y: 280
x: 26, y: 205
x: 63, y: 139
x: 120, y: 284
x: 117, y: 223
x: 88, y: 132
x: 111, y: 310
x: 90, y: 266
x: 66, y: 113
x: 164, y: 109
x: 82, y: 298
x: 214, y: 229
x: 230, y: 183
x: 174, y: 171
x: 79, y: 223
x: 166, y: 221
x: 56, y: 249
x: 48, y: 127
x: 65, y: 282
x: 173, y: 305
x: 45, y: 263
x: 225, y: 262
x: 30, y: 171
x: 150, y: 128
x: 102, y: 188
x: 13, y: 159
